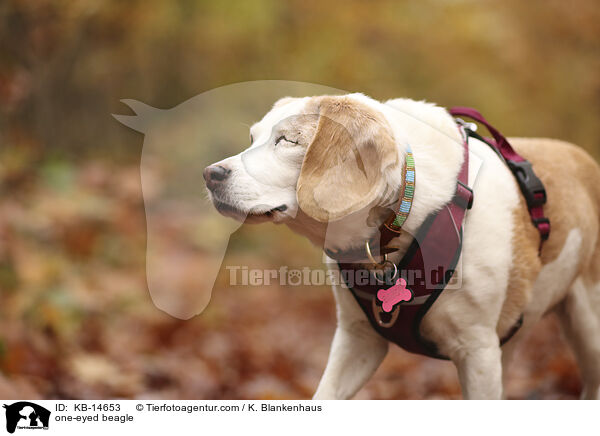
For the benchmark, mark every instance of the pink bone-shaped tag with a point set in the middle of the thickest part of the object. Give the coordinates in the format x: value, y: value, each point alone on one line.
x: 394, y: 295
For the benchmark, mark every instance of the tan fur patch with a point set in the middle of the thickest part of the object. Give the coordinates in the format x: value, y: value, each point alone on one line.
x: 572, y: 181
x: 342, y: 169
x: 525, y: 267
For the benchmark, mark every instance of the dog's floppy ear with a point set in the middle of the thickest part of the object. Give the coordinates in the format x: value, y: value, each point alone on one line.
x: 342, y: 169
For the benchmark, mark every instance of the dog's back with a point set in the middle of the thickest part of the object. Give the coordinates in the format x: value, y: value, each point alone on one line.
x: 572, y: 181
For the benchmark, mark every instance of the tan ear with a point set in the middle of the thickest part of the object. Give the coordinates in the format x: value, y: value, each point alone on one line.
x: 342, y: 169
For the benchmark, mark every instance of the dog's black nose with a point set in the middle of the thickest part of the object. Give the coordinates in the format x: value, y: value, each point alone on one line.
x: 214, y: 174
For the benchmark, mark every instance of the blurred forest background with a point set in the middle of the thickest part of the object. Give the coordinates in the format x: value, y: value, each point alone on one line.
x: 76, y: 318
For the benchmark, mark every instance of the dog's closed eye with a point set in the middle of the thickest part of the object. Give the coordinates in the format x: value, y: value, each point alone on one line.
x: 283, y: 138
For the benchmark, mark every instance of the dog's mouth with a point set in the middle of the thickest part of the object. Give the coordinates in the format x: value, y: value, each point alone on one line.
x: 255, y: 215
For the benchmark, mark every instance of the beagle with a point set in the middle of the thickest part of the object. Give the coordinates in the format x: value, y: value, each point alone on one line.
x: 330, y: 167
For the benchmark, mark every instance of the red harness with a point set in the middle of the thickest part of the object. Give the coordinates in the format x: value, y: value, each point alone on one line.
x: 431, y: 259
x: 531, y: 186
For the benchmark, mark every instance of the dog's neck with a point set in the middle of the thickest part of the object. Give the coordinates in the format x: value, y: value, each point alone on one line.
x: 437, y: 148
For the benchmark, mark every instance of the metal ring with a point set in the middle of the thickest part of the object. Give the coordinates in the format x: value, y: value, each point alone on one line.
x: 377, y: 311
x: 384, y: 281
x: 371, y: 258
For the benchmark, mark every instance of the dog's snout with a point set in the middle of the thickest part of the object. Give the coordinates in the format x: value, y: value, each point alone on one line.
x: 214, y: 174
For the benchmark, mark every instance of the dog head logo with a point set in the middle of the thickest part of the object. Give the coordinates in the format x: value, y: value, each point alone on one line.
x: 186, y: 236
x: 26, y: 415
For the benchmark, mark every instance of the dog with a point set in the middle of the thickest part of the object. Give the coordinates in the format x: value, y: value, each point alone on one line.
x: 330, y: 166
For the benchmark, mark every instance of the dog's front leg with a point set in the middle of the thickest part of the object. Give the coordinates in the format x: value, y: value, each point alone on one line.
x: 480, y: 370
x: 356, y: 351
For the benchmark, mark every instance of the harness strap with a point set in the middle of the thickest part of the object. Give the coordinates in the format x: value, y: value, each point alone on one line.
x: 531, y: 186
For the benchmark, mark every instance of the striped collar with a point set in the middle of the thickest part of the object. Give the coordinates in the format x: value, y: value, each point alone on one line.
x: 406, y: 195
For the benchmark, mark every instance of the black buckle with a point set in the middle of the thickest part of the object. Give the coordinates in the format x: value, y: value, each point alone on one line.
x: 529, y: 183
x: 461, y: 198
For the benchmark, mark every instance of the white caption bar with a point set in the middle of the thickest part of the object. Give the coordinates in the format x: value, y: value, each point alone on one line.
x: 158, y: 417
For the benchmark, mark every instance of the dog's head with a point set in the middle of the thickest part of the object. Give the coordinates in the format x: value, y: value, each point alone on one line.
x: 321, y: 159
